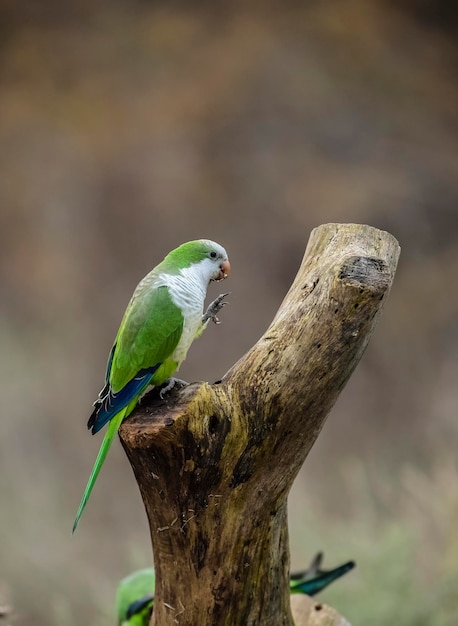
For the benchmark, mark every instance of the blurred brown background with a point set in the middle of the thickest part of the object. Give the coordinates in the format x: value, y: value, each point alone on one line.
x: 130, y: 127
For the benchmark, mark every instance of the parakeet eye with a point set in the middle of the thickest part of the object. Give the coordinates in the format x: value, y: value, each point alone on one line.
x: 213, y: 254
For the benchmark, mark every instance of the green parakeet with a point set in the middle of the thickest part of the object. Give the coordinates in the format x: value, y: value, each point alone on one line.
x: 134, y: 598
x: 135, y: 594
x: 163, y: 317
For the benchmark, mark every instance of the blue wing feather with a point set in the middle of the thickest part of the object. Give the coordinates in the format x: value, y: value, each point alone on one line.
x: 106, y: 407
x: 321, y: 580
x: 139, y: 605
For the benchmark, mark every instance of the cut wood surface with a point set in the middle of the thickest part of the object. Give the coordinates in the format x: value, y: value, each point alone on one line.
x: 215, y: 463
x: 309, y: 612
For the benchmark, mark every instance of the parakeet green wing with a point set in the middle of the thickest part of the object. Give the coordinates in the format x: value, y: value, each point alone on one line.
x: 148, y: 335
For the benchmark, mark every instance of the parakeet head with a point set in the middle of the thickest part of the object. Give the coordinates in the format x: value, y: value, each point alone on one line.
x: 205, y: 257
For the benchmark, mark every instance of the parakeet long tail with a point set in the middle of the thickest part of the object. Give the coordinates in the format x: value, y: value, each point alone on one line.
x: 113, y: 426
x: 321, y: 580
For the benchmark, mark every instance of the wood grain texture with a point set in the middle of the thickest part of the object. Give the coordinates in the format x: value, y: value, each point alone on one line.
x: 215, y: 463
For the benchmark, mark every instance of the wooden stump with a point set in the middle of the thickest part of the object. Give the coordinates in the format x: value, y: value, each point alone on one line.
x: 215, y: 463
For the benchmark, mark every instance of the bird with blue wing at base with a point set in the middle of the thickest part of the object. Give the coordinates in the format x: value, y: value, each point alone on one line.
x: 162, y: 319
x: 314, y: 579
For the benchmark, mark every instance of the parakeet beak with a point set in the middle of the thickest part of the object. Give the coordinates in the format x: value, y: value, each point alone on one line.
x: 225, y: 270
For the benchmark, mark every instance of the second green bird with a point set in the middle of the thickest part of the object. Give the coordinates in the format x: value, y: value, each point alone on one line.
x: 162, y: 319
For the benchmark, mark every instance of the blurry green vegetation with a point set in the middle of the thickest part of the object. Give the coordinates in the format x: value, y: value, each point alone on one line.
x: 128, y: 128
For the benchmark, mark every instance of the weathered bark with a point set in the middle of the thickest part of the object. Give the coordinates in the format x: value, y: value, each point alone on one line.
x: 215, y: 463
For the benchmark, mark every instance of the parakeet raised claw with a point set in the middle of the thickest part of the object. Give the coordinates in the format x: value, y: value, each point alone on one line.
x: 163, y: 317
x: 135, y: 594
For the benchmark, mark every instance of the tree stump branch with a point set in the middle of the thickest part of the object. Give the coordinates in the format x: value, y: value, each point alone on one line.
x: 215, y: 463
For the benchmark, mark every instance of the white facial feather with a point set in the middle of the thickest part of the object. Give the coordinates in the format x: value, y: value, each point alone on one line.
x: 188, y: 289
